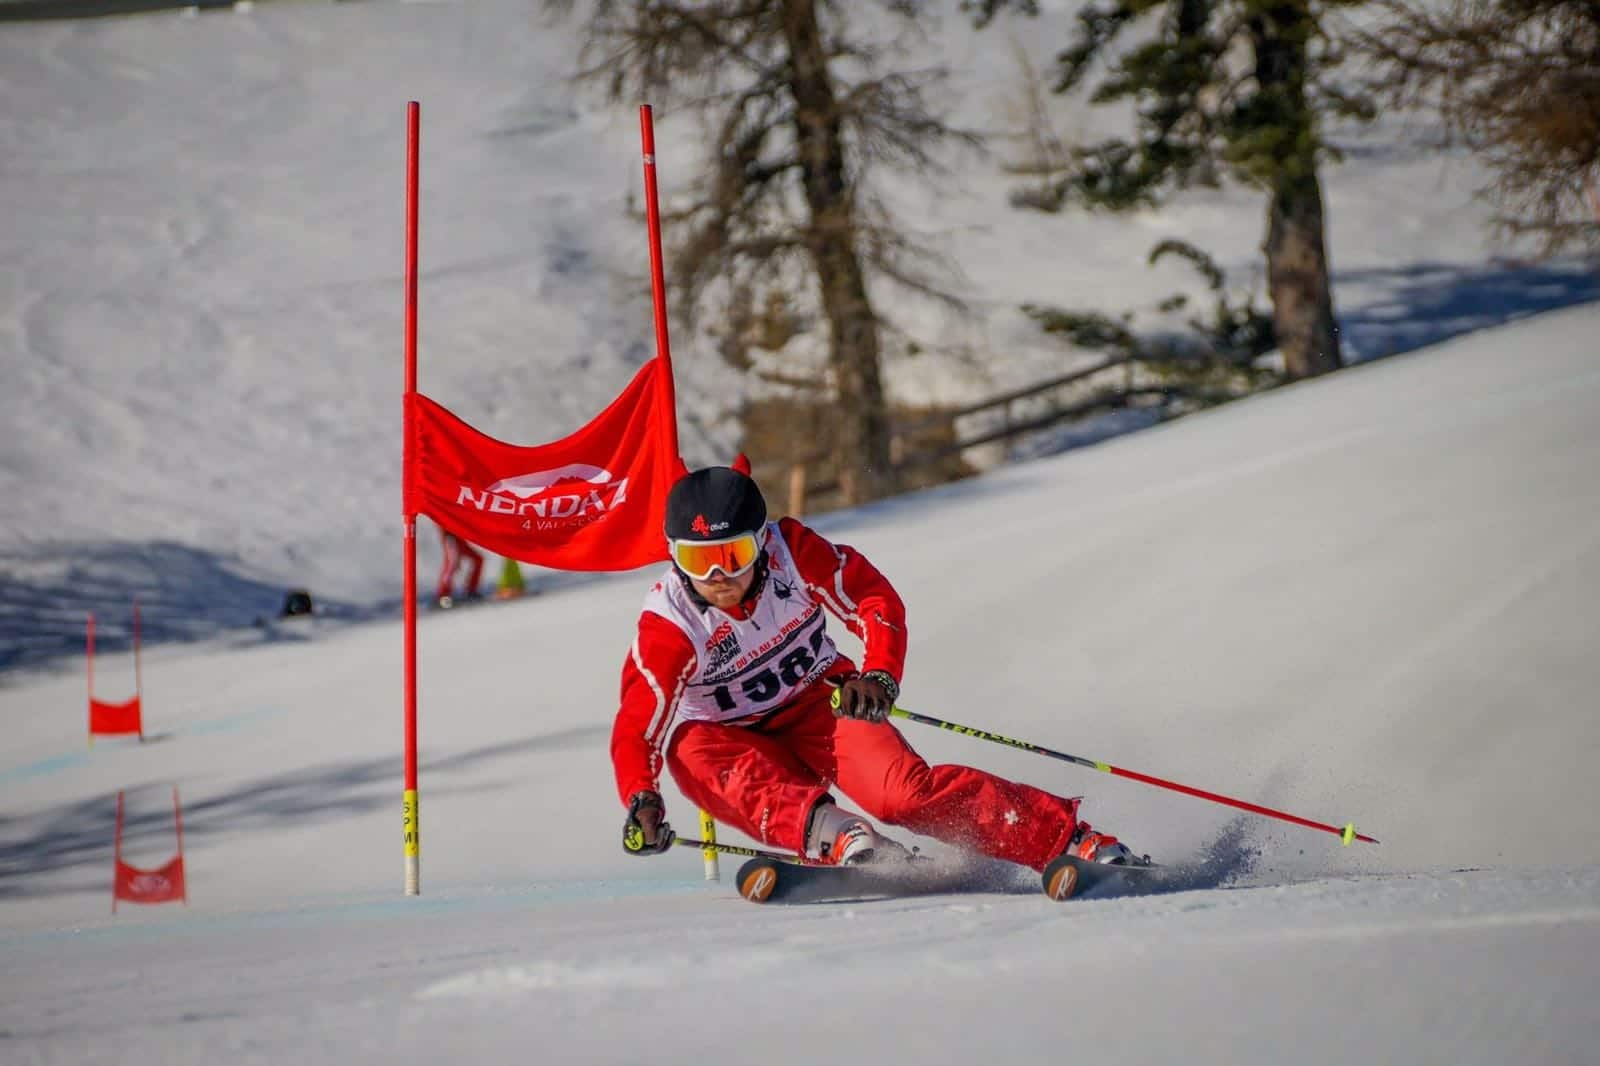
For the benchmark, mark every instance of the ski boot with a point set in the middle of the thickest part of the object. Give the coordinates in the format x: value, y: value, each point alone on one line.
x: 844, y: 838
x: 858, y: 844
x: 1093, y: 846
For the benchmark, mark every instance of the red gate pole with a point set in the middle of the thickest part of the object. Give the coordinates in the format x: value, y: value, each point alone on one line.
x: 658, y: 296
x: 138, y: 674
x: 409, y: 817
x: 116, y: 852
x: 658, y: 283
x: 177, y: 817
x: 89, y: 668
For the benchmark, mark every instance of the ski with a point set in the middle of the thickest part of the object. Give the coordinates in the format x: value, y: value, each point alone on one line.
x: 769, y: 879
x: 1068, y: 876
x: 766, y: 880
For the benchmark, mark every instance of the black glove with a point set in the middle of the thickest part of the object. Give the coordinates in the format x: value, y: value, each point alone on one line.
x: 646, y: 831
x: 869, y: 696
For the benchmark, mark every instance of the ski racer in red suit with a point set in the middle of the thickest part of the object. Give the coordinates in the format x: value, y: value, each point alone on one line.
x: 729, y: 683
x: 457, y: 551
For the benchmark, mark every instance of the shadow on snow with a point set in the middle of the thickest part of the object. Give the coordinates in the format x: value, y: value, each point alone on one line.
x: 75, y: 838
x: 184, y: 594
x: 1420, y: 304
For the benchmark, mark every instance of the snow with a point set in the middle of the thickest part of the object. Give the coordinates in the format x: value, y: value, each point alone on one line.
x: 1367, y: 598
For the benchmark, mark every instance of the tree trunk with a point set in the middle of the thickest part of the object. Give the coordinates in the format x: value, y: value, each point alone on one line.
x: 863, y: 444
x: 1297, y: 279
x: 1296, y: 249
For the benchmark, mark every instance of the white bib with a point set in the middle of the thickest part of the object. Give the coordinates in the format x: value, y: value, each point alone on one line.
x: 746, y: 667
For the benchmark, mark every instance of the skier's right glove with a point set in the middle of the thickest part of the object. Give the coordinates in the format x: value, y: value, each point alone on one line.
x: 869, y: 696
x: 646, y: 831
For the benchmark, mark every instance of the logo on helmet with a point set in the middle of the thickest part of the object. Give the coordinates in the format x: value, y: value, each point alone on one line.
x: 700, y: 525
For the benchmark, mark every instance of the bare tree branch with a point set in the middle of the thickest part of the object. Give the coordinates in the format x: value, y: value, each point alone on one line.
x: 800, y: 108
x: 1518, y: 82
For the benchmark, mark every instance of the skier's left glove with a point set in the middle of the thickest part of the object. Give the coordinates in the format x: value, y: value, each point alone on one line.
x: 869, y: 696
x: 646, y: 831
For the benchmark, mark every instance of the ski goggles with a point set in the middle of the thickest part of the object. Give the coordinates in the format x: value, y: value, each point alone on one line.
x: 732, y: 555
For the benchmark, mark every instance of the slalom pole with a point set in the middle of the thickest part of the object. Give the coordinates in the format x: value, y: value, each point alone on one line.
x: 1347, y: 832
x: 177, y: 820
x: 658, y: 276
x: 89, y: 667
x: 708, y: 832
x: 750, y: 853
x: 138, y: 674
x: 116, y: 852
x: 410, y: 815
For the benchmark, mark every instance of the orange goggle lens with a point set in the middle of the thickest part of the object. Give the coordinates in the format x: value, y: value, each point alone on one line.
x: 698, y: 558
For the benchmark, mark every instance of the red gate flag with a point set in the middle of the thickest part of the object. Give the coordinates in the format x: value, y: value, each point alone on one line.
x: 166, y: 884
x: 112, y: 719
x: 592, y: 501
x: 595, y: 500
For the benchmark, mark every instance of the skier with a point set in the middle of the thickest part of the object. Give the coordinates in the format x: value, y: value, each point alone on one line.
x: 457, y: 551
x: 733, y: 648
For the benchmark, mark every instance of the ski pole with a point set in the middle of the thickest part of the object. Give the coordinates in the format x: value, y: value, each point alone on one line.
x: 708, y: 830
x: 752, y: 853
x: 1347, y: 833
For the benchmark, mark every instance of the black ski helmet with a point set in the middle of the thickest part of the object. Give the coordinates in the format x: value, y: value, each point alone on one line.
x: 714, y: 503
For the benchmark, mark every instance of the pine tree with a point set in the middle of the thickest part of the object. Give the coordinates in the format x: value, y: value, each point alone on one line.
x: 800, y: 112
x: 1220, y: 87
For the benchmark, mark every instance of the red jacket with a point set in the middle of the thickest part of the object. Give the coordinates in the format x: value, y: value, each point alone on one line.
x: 663, y: 659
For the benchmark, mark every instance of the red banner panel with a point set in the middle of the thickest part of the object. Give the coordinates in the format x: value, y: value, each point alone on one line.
x: 113, y: 718
x: 165, y: 885
x: 592, y: 501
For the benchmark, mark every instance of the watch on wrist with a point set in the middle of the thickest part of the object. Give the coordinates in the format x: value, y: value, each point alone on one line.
x: 886, y: 679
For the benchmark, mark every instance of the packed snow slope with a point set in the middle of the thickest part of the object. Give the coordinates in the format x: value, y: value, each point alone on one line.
x: 1367, y: 598
x: 201, y: 299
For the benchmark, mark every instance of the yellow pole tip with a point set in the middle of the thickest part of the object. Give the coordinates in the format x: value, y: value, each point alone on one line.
x: 1349, y: 834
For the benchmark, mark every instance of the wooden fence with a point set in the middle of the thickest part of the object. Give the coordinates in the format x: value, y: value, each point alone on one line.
x: 1110, y: 385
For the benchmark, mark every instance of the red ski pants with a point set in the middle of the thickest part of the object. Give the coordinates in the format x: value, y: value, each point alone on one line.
x: 455, y: 550
x: 763, y: 780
